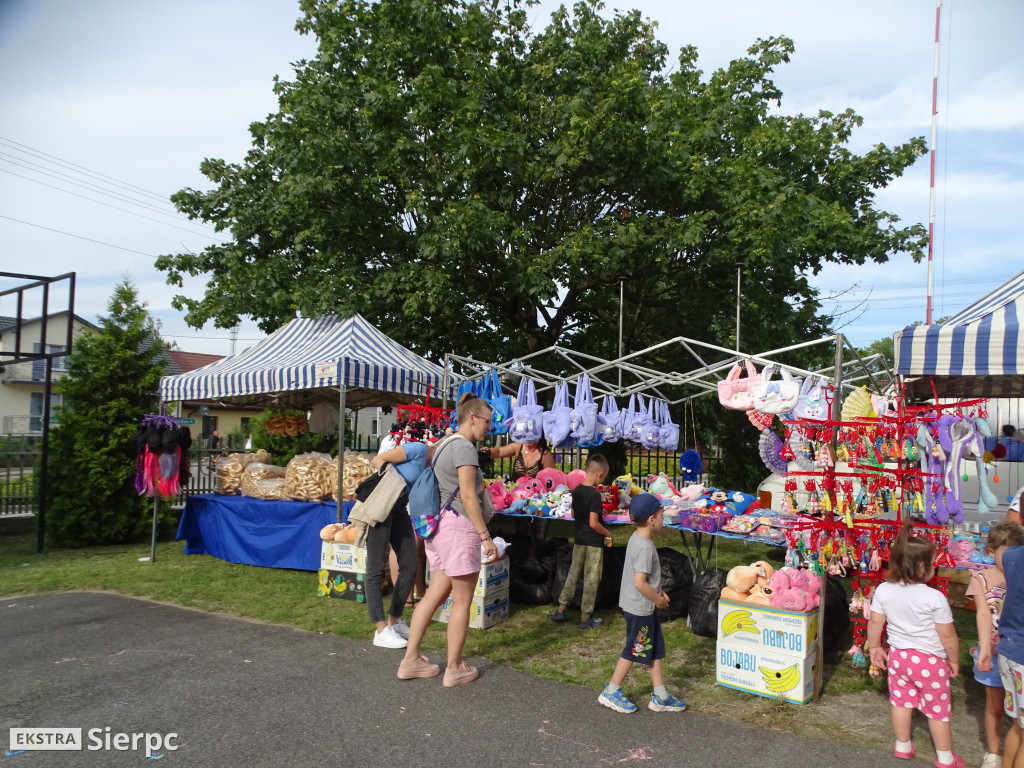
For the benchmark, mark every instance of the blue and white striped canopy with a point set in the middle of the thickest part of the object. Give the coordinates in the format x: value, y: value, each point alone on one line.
x: 308, y: 355
x: 984, y: 341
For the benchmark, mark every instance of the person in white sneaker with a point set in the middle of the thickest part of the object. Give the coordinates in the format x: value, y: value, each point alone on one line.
x: 395, y: 533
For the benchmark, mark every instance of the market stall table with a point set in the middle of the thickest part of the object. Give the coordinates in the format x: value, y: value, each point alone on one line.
x: 273, y: 534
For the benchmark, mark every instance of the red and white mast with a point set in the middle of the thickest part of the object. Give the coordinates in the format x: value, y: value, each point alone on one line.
x: 931, y: 182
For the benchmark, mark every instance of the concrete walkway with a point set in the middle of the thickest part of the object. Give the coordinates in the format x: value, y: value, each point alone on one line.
x: 244, y: 694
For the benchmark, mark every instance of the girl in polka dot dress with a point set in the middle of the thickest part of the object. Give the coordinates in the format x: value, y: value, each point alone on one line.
x: 924, y: 651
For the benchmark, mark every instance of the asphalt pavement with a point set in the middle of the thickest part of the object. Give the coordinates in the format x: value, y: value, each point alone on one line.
x: 243, y: 693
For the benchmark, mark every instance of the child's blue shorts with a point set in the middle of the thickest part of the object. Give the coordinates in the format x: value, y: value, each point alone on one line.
x: 644, y: 641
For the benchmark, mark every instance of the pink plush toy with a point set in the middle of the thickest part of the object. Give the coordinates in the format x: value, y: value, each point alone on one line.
x: 526, y: 487
x: 550, y: 478
x: 500, y: 496
x: 780, y: 580
x: 790, y: 600
x: 691, y: 492
x: 574, y: 478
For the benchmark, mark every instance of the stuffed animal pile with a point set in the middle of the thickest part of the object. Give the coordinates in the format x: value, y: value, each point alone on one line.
x: 791, y: 589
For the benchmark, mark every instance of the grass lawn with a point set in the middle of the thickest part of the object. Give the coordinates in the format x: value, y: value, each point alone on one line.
x: 853, y: 708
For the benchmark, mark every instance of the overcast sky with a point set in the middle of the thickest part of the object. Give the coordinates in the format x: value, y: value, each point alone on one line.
x: 108, y: 107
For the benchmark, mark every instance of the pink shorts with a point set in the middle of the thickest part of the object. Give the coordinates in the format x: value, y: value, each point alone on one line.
x: 455, y: 547
x: 918, y: 679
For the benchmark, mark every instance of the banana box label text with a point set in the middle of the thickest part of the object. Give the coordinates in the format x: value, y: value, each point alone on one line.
x: 765, y: 673
x: 767, y: 628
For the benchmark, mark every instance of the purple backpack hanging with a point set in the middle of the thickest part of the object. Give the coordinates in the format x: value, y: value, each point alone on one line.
x: 526, y: 424
x: 608, y: 420
x: 651, y: 436
x: 584, y: 413
x: 558, y: 421
x: 669, y: 433
x: 638, y: 424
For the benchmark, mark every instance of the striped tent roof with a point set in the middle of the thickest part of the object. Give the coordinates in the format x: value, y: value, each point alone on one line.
x: 977, y: 352
x: 299, y: 364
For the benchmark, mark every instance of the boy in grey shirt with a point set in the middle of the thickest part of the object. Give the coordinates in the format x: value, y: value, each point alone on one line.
x: 640, y: 597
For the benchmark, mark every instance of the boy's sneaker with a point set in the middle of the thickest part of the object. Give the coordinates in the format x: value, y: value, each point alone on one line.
x: 669, y: 704
x: 991, y: 761
x: 616, y: 701
x: 558, y: 616
x: 592, y: 622
x: 401, y: 628
x: 389, y: 638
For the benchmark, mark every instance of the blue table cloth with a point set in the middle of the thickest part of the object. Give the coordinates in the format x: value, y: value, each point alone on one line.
x: 274, y: 534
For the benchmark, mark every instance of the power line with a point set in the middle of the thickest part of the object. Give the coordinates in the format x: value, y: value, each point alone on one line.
x: 100, y: 202
x: 85, y: 185
x: 80, y: 237
x: 66, y: 163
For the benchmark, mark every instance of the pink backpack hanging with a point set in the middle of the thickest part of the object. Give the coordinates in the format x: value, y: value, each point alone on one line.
x: 734, y: 391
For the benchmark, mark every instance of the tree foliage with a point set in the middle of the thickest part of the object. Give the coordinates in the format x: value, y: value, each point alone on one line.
x: 472, y: 185
x: 438, y: 160
x: 112, y: 380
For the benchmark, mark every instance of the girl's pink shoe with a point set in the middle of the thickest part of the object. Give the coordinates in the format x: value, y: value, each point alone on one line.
x: 905, y: 755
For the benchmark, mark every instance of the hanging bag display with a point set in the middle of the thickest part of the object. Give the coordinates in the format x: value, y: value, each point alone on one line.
x: 626, y: 416
x: 668, y: 435
x: 501, y: 404
x: 651, y: 437
x: 638, y: 425
x: 526, y: 424
x: 734, y: 391
x: 608, y: 420
x: 774, y: 396
x: 558, y: 421
x: 584, y: 413
x: 814, y: 403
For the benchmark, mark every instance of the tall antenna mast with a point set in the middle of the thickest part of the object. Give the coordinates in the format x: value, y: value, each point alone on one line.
x: 931, y: 183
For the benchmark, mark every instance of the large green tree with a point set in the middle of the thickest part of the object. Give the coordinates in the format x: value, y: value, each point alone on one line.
x: 438, y: 160
x: 112, y: 379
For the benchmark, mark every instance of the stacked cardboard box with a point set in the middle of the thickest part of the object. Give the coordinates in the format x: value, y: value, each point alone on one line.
x: 490, y: 598
x: 342, y: 571
x: 767, y: 651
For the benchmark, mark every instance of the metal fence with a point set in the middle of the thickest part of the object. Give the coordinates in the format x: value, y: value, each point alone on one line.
x: 19, y: 456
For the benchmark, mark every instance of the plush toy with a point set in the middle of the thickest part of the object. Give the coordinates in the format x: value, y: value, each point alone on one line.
x: 790, y: 600
x: 563, y: 507
x: 761, y: 594
x: 551, y: 478
x: 609, y: 497
x: 743, y: 578
x: 780, y: 580
x: 626, y: 485
x: 716, y: 502
x: 500, y: 495
x: 346, y: 534
x: 691, y: 492
x: 728, y: 593
x: 526, y: 487
x: 328, y: 531
x: 660, y: 486
x: 574, y: 478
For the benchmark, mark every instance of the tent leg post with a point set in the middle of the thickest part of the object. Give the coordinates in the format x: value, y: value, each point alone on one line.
x: 156, y: 515
x: 341, y: 435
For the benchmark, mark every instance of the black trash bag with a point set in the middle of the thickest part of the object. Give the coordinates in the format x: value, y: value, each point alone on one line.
x: 611, y: 578
x: 837, y: 615
x: 702, y: 607
x: 676, y: 581
x: 525, y: 593
x: 529, y: 571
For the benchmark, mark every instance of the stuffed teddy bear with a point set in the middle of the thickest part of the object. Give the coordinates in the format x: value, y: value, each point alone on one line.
x: 743, y: 578
x: 550, y: 478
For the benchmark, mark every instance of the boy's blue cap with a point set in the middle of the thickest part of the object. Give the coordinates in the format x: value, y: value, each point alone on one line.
x: 643, y: 506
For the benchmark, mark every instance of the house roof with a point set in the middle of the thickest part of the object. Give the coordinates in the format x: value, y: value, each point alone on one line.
x: 189, y: 361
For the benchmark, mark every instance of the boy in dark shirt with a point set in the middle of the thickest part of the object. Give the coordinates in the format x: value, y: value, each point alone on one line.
x: 591, y: 538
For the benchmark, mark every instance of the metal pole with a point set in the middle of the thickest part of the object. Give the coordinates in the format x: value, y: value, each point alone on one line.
x: 341, y: 434
x: 739, y: 273
x: 931, y: 183
x: 45, y: 459
x: 622, y: 294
